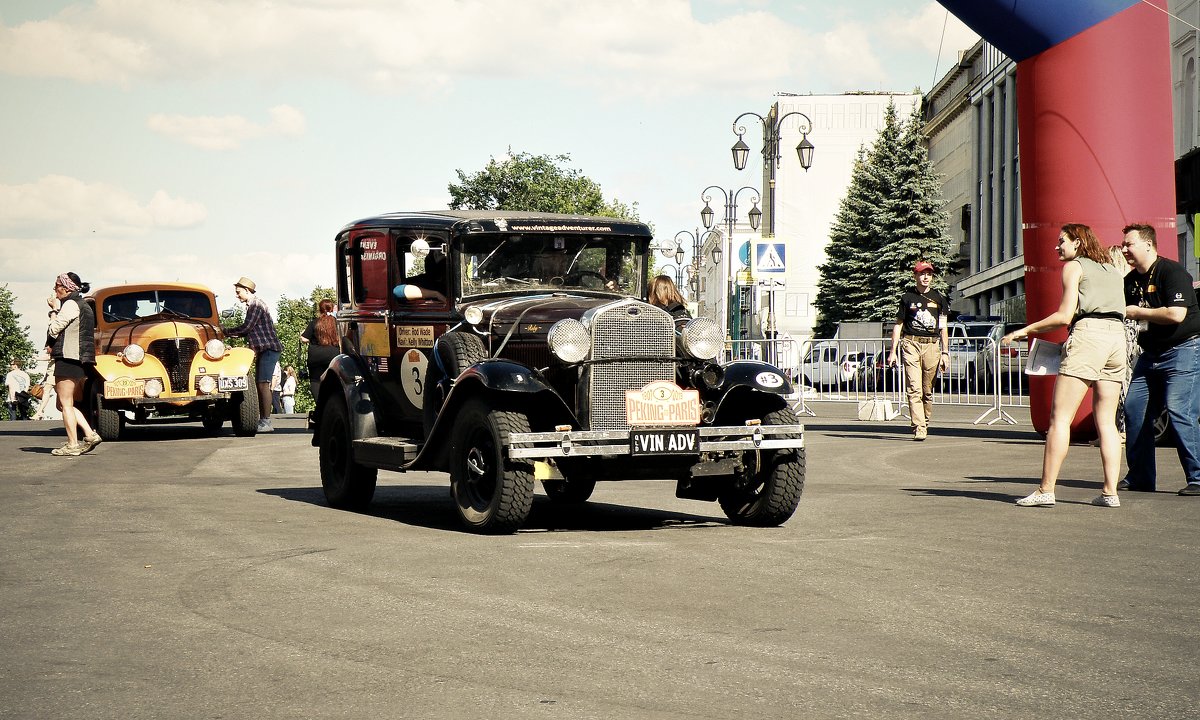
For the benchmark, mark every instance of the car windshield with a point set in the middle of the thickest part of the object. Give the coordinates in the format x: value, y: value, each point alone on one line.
x: 144, y: 303
x: 512, y: 262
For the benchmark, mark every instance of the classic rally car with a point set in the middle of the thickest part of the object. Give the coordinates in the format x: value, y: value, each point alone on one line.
x: 512, y: 348
x: 161, y: 355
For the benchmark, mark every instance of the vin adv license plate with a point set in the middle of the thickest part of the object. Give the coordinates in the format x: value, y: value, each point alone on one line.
x: 674, y: 441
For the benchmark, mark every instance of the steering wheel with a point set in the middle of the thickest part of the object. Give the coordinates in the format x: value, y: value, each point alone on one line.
x: 588, y: 279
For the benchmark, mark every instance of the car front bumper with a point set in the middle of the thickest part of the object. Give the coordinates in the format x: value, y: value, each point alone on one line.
x: 589, y: 443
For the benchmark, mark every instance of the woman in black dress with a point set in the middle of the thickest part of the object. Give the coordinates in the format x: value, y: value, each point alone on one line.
x: 323, y: 342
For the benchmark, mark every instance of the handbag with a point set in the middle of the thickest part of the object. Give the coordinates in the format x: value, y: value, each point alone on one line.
x: 302, y: 373
x: 36, y: 391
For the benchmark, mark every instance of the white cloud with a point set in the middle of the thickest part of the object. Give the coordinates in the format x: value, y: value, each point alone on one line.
x: 228, y: 131
x: 925, y: 30
x: 657, y: 48
x: 57, y: 206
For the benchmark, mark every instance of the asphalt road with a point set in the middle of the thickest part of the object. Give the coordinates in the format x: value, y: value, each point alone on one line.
x: 179, y: 576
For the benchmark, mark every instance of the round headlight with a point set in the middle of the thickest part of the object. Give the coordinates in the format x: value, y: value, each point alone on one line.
x: 569, y: 340
x: 207, y: 384
x: 701, y: 338
x: 214, y: 349
x: 474, y: 315
x: 133, y: 354
x: 154, y: 387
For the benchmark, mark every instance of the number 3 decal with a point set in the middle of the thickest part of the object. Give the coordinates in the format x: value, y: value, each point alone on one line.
x: 413, y: 369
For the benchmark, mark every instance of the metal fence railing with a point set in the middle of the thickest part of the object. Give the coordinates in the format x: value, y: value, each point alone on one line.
x: 981, y: 373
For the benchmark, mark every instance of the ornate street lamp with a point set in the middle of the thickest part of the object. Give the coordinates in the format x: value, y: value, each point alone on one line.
x: 771, y: 132
x: 707, y: 216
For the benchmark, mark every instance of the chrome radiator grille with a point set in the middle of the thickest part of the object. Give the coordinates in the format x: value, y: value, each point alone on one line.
x: 625, y: 330
x: 176, y: 356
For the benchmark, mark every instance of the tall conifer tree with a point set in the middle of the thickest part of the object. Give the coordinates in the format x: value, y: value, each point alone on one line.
x: 890, y: 218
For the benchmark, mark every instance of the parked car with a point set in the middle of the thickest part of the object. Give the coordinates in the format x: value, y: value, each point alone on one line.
x: 973, y: 345
x: 538, y: 360
x: 161, y: 355
x: 825, y: 366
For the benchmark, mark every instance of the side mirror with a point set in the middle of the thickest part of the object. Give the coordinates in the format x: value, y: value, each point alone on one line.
x: 419, y: 248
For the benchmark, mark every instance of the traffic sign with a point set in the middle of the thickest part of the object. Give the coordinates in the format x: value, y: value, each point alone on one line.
x: 770, y: 258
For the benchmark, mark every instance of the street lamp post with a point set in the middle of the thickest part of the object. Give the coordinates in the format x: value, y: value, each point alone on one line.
x: 770, y: 150
x: 733, y: 299
x: 693, y: 268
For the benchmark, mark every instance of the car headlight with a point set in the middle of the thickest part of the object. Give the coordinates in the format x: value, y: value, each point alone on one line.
x: 569, y: 340
x: 214, y: 349
x: 154, y: 387
x: 207, y: 384
x: 474, y: 315
x: 133, y: 354
x: 702, y: 338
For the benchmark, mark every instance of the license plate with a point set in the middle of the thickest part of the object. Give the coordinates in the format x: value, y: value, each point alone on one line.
x: 662, y: 403
x: 228, y: 384
x: 124, y: 388
x: 664, y: 442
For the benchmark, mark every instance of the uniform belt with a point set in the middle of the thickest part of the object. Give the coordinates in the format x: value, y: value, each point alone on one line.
x: 921, y: 339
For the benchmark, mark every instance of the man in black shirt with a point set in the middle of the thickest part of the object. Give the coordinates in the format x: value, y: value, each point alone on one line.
x: 1161, y: 299
x: 920, y: 335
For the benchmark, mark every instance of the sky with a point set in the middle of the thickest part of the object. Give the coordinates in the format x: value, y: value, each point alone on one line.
x: 205, y: 140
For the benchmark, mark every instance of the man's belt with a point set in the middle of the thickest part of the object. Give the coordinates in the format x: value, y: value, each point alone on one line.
x: 921, y: 339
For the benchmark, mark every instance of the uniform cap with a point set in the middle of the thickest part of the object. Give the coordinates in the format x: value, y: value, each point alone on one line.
x: 922, y: 266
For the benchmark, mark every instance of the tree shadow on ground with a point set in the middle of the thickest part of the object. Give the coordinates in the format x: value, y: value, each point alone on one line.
x: 430, y: 506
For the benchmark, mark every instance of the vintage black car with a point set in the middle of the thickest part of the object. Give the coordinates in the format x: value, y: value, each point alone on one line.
x: 511, y: 348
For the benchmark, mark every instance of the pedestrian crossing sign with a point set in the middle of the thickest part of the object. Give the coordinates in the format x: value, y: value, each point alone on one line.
x: 770, y: 258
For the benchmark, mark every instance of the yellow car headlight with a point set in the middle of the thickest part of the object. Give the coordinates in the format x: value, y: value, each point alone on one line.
x: 133, y: 354
x: 214, y: 349
x: 154, y: 387
x: 207, y: 384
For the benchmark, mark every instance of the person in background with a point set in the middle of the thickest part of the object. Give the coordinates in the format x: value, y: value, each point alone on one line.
x: 276, y: 390
x: 321, y: 336
x: 47, y: 392
x: 16, y: 382
x: 1094, y: 356
x: 922, y: 340
x: 1161, y: 299
x: 288, y: 393
x: 71, y: 342
x: 427, y: 285
x: 259, y: 331
x: 664, y: 294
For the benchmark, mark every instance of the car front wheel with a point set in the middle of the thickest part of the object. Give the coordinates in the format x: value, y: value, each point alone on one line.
x: 347, y: 484
x: 769, y: 493
x: 492, y: 493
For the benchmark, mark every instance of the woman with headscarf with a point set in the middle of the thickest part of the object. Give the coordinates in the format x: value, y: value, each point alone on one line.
x: 71, y: 341
x: 321, y: 336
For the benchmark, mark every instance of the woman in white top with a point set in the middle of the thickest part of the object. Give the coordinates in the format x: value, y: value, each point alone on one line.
x: 288, y: 393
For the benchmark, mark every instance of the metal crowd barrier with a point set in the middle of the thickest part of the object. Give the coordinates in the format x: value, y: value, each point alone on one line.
x: 981, y: 373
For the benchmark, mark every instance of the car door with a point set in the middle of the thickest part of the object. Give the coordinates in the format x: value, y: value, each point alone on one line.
x: 416, y: 324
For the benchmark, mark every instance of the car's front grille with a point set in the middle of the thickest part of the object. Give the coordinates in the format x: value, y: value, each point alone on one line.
x: 534, y: 355
x: 176, y: 356
x: 619, y: 331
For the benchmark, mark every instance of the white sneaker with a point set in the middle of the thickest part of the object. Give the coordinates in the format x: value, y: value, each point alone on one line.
x: 1037, y: 499
x: 1107, y: 501
x: 264, y: 426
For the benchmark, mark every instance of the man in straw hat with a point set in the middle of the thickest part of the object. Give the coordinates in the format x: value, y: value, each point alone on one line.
x: 259, y: 331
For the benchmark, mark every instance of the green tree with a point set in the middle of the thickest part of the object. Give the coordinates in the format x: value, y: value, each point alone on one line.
x: 537, y: 183
x: 890, y: 218
x: 14, y: 337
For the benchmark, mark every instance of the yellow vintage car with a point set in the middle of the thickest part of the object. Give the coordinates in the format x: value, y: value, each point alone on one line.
x: 161, y: 356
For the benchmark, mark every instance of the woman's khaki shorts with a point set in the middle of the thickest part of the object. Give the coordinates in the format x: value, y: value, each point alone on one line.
x: 1095, y: 350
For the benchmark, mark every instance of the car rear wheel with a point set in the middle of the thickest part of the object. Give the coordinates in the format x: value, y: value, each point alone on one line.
x: 347, y: 484
x: 768, y: 496
x: 212, y: 420
x: 569, y: 492
x: 492, y: 493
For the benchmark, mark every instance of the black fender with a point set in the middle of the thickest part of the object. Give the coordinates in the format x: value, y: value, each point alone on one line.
x: 750, y: 384
x: 499, y: 380
x: 347, y: 379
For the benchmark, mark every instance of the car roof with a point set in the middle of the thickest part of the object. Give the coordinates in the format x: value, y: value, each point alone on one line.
x: 142, y: 287
x: 501, y: 221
